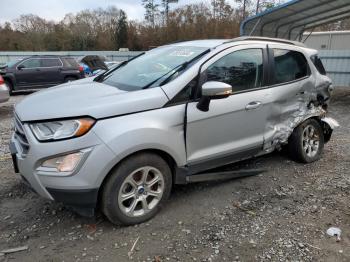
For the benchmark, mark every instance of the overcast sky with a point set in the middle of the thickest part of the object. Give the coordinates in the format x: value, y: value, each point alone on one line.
x: 56, y: 9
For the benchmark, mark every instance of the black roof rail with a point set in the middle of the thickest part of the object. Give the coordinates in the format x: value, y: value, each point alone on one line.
x: 268, y: 39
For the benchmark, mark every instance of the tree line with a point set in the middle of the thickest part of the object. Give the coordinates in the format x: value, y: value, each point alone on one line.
x: 110, y: 29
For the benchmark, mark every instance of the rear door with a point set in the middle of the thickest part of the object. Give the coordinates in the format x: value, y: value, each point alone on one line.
x: 293, y: 87
x: 233, y: 127
x: 71, y: 68
x: 30, y: 74
x: 51, y: 71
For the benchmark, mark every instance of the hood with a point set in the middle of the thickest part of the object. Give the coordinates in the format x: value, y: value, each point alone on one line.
x: 94, y: 62
x: 87, y: 98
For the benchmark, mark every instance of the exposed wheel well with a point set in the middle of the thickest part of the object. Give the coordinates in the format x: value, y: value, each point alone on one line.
x: 168, y: 158
x: 327, y: 130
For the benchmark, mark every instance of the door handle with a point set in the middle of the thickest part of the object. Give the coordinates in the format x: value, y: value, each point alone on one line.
x: 253, y: 105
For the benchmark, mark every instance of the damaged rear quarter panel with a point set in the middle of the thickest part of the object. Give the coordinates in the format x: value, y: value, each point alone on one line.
x: 290, y: 106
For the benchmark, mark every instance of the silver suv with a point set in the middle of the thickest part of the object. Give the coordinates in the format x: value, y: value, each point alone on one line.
x: 121, y: 140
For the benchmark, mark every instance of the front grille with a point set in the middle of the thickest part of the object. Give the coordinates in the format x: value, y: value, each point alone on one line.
x: 20, y: 135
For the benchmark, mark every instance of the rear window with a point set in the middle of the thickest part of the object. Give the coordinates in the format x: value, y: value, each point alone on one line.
x: 289, y: 66
x: 318, y: 64
x: 51, y: 62
x: 70, y: 62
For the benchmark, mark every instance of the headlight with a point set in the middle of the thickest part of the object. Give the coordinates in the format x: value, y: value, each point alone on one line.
x: 57, y: 130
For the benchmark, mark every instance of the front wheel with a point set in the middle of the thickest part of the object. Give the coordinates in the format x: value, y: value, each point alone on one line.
x: 137, y: 189
x: 306, y: 142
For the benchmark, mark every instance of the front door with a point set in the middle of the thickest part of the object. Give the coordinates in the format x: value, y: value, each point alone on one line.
x: 28, y: 73
x: 234, y: 126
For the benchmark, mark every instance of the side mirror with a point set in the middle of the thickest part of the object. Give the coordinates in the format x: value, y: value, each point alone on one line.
x: 20, y: 67
x: 213, y: 90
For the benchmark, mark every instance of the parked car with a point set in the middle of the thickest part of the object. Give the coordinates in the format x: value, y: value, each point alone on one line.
x: 121, y: 140
x: 95, y: 64
x: 4, y: 91
x: 40, y: 72
x: 111, y: 64
x: 86, y: 69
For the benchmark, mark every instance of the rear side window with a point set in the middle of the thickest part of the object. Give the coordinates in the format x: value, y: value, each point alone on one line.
x: 51, y: 62
x: 318, y: 64
x: 70, y: 62
x: 289, y: 66
x: 242, y: 69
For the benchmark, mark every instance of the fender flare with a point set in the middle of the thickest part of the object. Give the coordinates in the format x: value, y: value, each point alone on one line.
x: 328, y: 124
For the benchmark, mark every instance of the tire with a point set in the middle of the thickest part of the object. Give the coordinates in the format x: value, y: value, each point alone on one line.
x: 126, y: 180
x: 10, y: 86
x: 69, y: 79
x: 306, y: 143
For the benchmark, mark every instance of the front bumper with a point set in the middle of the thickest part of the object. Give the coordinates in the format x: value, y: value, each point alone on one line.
x: 79, y: 188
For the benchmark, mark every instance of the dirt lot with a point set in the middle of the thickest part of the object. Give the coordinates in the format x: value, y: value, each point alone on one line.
x: 284, y: 213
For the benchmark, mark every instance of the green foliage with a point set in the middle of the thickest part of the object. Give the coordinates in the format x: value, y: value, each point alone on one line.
x: 121, y: 33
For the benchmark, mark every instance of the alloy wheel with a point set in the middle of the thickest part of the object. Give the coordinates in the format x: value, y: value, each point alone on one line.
x: 141, y: 191
x: 310, y: 140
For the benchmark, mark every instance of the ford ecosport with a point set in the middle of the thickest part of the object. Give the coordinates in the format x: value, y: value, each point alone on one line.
x: 119, y: 141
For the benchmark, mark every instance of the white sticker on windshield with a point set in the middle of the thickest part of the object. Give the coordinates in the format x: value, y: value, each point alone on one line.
x: 183, y: 52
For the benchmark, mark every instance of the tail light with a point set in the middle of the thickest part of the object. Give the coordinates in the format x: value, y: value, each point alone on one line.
x: 81, y: 69
x: 1, y: 80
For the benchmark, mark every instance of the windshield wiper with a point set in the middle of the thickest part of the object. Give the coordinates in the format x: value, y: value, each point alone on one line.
x: 175, y: 70
x: 170, y: 73
x: 102, y: 76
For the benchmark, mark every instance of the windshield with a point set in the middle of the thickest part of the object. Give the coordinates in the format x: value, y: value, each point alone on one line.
x: 155, y: 64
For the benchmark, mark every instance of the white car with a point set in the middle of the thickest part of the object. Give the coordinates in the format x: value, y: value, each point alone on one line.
x: 4, y: 91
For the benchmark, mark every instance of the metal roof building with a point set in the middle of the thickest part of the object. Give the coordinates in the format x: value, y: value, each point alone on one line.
x: 291, y: 19
x: 330, y: 40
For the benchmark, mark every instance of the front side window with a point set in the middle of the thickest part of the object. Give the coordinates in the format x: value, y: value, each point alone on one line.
x: 289, y: 66
x: 51, y: 62
x: 243, y: 70
x: 154, y: 67
x: 31, y: 63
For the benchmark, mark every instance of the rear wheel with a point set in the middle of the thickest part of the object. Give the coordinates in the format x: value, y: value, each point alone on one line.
x: 306, y: 142
x: 137, y: 189
x: 69, y: 79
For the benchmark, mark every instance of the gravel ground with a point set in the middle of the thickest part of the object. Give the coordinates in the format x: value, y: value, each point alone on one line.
x: 281, y: 215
